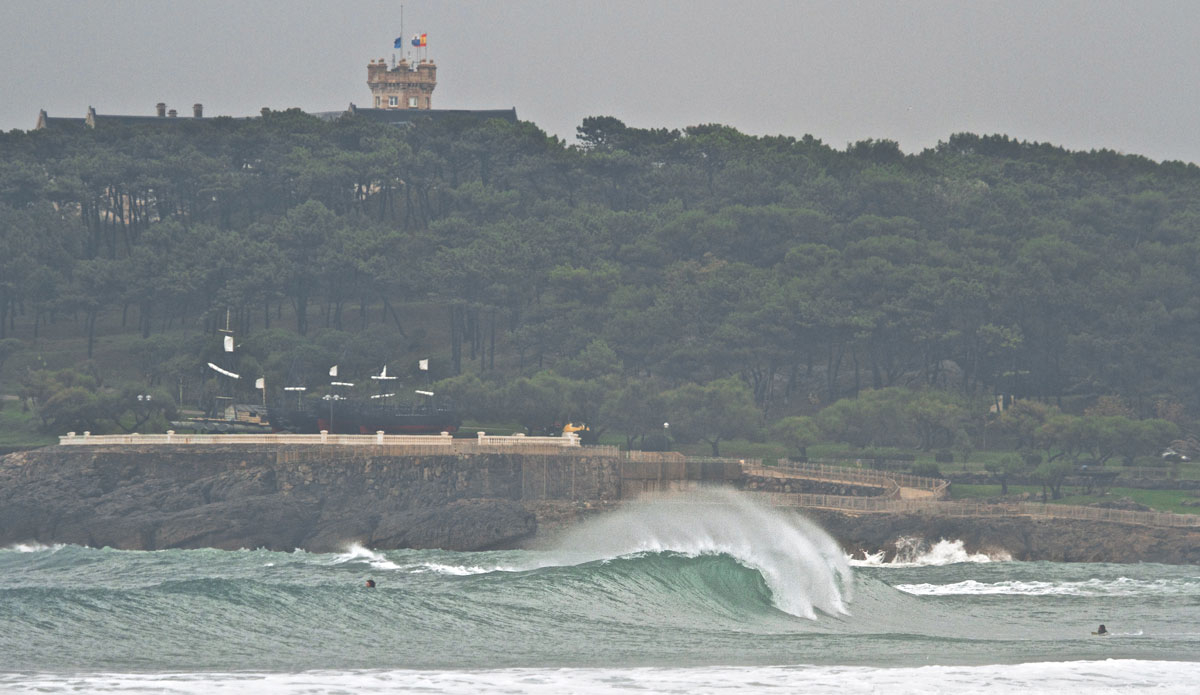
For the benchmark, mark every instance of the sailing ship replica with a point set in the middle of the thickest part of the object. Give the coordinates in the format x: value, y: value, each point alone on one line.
x: 338, y: 414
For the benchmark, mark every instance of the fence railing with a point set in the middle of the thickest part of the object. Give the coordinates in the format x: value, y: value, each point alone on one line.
x: 744, y: 463
x: 392, y: 441
x: 654, y: 456
x: 864, y: 476
x: 943, y: 508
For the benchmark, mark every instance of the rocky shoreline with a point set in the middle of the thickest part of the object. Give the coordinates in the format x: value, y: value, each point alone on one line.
x: 233, y: 498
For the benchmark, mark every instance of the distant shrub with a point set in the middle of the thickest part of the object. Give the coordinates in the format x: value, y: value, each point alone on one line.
x: 1032, y: 460
x: 927, y: 470
x: 943, y: 456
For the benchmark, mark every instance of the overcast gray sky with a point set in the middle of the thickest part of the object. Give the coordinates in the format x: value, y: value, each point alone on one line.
x: 1082, y: 74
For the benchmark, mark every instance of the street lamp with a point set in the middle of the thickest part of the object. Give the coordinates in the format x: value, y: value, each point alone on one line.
x: 141, y: 412
x: 334, y: 397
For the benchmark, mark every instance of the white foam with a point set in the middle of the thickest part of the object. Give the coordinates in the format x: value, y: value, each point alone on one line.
x: 1050, y: 678
x: 358, y: 553
x: 33, y: 547
x: 803, y: 567
x: 912, y: 552
x: 456, y: 570
x: 1121, y: 586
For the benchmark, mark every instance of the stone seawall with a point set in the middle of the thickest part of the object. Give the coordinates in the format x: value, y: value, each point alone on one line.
x: 323, y: 498
x: 318, y: 498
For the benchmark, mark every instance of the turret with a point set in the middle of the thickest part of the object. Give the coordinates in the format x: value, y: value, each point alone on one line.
x: 405, y: 86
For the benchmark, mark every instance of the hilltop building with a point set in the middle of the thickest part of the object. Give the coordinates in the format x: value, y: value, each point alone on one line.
x: 164, y: 116
x: 403, y: 86
x: 401, y: 94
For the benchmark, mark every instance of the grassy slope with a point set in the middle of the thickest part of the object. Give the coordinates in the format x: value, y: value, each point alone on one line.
x: 1162, y: 500
x: 19, y: 429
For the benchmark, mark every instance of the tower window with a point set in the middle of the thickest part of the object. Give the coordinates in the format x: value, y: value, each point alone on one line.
x: 412, y: 102
x: 393, y: 101
x: 377, y: 101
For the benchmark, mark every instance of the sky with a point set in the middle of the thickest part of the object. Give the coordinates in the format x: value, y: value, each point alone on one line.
x: 1080, y: 74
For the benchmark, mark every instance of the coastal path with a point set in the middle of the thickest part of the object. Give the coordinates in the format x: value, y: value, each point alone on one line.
x: 880, y: 505
x: 895, y: 486
x: 911, y: 494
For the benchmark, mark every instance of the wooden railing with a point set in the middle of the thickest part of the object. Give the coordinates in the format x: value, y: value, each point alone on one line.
x: 943, y: 508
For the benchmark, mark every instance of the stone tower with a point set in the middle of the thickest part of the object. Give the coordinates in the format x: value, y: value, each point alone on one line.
x: 406, y: 86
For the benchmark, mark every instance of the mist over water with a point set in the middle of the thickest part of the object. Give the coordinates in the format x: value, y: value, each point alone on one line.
x: 703, y: 593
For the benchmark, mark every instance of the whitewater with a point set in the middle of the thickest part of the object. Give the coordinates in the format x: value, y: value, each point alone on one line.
x: 707, y: 594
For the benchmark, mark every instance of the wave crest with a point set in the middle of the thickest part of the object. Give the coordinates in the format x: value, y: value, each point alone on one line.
x: 802, y: 565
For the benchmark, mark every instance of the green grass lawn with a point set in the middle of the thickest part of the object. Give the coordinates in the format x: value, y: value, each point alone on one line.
x: 19, y: 429
x: 1161, y: 500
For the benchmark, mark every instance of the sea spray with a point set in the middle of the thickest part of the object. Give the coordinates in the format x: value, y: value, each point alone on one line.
x: 915, y: 552
x: 802, y: 565
x: 357, y: 553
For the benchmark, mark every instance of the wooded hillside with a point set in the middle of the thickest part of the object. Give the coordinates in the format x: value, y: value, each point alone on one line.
x: 585, y: 281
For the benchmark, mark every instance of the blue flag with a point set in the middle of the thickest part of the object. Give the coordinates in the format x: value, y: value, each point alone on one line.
x: 398, y: 43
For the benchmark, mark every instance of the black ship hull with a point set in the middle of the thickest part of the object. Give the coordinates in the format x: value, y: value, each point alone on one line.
x: 349, y: 417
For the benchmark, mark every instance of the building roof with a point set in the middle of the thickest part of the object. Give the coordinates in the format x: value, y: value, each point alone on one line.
x: 398, y: 117
x: 57, y: 123
x: 408, y: 116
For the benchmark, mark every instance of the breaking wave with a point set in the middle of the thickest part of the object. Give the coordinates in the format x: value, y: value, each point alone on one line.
x: 802, y: 566
x: 915, y: 552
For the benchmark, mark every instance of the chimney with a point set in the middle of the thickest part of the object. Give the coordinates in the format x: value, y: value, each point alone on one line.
x: 161, y: 108
x: 197, y: 110
x: 172, y: 113
x: 265, y: 110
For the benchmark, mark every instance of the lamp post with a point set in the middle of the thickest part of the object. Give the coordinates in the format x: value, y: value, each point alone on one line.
x: 335, y: 397
x: 142, y: 410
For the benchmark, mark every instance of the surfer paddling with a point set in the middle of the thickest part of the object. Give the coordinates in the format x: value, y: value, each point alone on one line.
x: 1101, y: 631
x: 371, y: 585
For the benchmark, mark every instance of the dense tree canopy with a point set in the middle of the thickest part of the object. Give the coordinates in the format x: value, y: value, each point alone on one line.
x: 645, y: 261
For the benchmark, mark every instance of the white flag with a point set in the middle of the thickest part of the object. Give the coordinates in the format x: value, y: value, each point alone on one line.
x: 333, y: 370
x: 260, y: 383
x: 228, y: 343
x: 424, y: 365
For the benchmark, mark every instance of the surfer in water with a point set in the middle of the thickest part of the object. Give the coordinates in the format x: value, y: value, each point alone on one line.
x: 1101, y: 631
x: 371, y: 585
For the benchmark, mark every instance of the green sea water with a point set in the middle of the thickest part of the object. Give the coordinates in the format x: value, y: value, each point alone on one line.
x: 667, y: 596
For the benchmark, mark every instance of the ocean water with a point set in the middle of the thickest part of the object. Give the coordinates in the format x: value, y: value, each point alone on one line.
x: 710, y: 595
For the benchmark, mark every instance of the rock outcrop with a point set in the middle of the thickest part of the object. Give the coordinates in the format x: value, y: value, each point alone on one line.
x: 1021, y: 538
x: 240, y: 497
x: 149, y: 498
